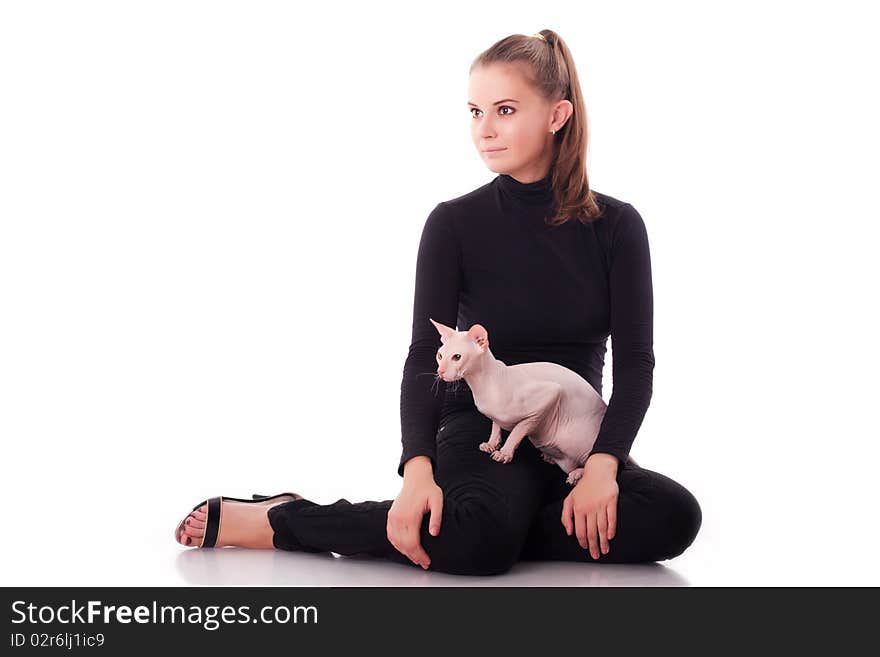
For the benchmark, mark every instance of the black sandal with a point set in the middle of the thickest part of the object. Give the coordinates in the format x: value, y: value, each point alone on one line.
x: 259, y: 498
x: 212, y: 521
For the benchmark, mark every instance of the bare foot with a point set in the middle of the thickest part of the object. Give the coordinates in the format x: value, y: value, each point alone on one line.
x: 241, y: 523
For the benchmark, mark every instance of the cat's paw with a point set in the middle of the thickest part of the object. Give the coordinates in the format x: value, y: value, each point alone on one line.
x: 486, y: 447
x: 574, y: 476
x: 502, y: 457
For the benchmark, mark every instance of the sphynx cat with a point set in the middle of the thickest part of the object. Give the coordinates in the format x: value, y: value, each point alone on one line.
x: 555, y: 407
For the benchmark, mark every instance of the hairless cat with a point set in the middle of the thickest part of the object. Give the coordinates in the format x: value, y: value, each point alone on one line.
x: 555, y: 407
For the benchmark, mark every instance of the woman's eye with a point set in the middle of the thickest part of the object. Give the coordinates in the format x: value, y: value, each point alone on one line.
x: 474, y: 109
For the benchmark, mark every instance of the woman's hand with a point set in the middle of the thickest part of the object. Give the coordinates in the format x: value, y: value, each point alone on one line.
x: 591, y: 506
x: 420, y: 494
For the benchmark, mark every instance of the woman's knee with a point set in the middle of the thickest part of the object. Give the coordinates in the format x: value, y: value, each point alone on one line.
x: 481, y: 541
x: 493, y: 557
x: 684, y: 517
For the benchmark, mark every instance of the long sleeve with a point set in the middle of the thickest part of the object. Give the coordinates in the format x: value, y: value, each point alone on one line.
x: 632, y: 336
x: 436, y: 296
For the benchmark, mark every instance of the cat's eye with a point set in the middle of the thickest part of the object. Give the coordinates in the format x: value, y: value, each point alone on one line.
x: 456, y: 357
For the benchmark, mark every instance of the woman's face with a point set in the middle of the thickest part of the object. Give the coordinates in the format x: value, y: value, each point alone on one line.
x: 510, y: 116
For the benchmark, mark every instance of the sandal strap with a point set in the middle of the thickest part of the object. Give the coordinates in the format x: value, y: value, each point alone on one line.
x: 212, y: 523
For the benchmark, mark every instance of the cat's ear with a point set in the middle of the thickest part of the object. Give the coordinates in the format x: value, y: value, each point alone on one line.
x: 444, y: 331
x: 478, y: 334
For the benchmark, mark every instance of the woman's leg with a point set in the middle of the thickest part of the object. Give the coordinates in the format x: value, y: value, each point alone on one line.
x: 657, y: 519
x: 488, y: 508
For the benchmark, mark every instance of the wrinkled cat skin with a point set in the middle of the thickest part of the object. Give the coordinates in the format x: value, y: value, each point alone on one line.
x: 556, y: 408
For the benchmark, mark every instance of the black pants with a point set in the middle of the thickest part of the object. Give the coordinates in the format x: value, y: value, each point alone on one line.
x: 495, y: 514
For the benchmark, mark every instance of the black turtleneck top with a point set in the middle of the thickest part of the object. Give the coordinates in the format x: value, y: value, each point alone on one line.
x: 543, y: 293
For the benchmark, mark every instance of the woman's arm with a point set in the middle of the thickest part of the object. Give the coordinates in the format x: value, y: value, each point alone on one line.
x: 590, y: 510
x: 632, y: 337
x: 436, y: 296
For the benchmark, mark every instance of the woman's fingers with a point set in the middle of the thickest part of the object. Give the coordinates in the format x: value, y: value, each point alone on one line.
x: 401, y: 539
x: 413, y: 543
x: 436, y: 503
x: 594, y: 529
x: 566, y: 515
x: 593, y: 535
x: 612, y: 518
x: 580, y: 524
x: 602, y: 522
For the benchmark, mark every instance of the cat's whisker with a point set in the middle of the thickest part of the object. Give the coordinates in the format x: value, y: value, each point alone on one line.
x: 436, y: 382
x: 434, y: 374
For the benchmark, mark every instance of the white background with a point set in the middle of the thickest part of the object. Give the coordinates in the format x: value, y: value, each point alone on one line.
x: 209, y: 217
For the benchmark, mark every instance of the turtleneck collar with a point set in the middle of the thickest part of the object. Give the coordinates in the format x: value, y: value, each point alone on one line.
x: 540, y: 191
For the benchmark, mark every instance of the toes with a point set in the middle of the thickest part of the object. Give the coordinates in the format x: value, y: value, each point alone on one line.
x: 195, y: 523
x: 192, y: 530
x: 182, y: 536
x: 190, y: 537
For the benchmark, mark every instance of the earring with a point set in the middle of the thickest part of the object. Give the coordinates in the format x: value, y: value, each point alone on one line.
x: 552, y: 132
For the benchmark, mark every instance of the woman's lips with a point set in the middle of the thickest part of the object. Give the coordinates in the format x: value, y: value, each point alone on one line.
x: 494, y: 151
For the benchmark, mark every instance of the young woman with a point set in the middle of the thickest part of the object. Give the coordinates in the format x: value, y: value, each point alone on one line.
x: 551, y: 268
